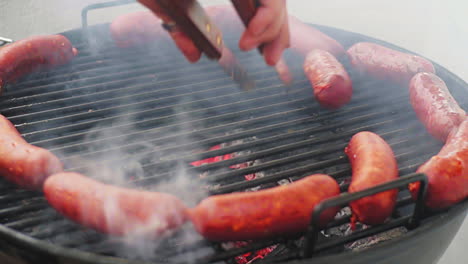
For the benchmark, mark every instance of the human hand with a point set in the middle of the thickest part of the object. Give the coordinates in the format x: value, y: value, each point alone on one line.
x: 270, y: 27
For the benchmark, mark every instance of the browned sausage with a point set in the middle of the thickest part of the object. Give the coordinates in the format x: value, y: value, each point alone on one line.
x: 114, y: 210
x: 283, y: 210
x: 434, y: 105
x: 31, y: 54
x: 21, y: 162
x: 373, y: 163
x: 447, y: 171
x: 331, y: 83
x: 387, y: 64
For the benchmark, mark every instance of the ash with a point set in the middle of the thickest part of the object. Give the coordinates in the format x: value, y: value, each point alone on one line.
x: 345, y: 230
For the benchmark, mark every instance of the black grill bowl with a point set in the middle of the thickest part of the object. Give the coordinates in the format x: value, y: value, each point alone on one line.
x: 285, y: 135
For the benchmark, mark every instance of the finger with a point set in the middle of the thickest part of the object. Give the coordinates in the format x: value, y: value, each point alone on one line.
x: 268, y: 12
x: 259, y: 23
x: 263, y: 17
x: 271, y: 33
x: 265, y: 25
x: 273, y: 50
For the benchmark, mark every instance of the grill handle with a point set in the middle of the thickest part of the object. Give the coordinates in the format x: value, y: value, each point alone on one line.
x: 4, y: 41
x: 344, y: 199
x: 86, y: 9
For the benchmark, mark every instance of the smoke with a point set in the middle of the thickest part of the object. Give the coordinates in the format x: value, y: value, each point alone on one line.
x: 112, y: 164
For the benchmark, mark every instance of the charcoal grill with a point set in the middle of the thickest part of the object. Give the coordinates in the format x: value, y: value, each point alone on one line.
x: 148, y: 105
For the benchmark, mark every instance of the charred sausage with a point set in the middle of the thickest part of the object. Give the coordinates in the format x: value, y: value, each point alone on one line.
x: 373, y: 163
x: 434, y: 105
x: 331, y: 83
x: 114, y: 210
x: 31, y: 54
x: 283, y: 210
x: 447, y: 171
x: 21, y: 162
x: 387, y: 64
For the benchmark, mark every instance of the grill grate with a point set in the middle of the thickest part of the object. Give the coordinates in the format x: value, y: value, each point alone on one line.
x: 151, y: 107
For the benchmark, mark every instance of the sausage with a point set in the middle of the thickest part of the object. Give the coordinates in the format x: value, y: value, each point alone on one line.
x: 136, y: 29
x: 283, y: 210
x: 373, y: 163
x: 32, y: 54
x: 434, y: 105
x: 305, y: 38
x: 387, y: 64
x: 447, y: 172
x: 331, y: 83
x: 183, y: 42
x: 283, y: 71
x: 21, y: 162
x: 114, y: 210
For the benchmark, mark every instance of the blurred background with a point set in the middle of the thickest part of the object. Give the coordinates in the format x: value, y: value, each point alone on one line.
x: 436, y: 29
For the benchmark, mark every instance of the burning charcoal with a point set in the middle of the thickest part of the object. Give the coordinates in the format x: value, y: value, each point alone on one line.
x: 249, y: 257
x: 342, y: 230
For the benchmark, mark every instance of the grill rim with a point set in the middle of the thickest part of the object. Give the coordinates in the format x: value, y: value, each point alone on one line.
x: 60, y: 254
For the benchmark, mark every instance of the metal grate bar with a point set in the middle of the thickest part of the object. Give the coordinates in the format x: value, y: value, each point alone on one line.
x: 358, y: 110
x: 275, y: 163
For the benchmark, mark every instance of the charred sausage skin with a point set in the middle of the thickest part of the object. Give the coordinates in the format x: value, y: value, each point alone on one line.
x: 22, y: 163
x: 331, y: 83
x: 434, y: 105
x: 373, y: 163
x: 387, y: 64
x: 283, y: 210
x: 447, y: 171
x: 32, y: 54
x: 114, y: 210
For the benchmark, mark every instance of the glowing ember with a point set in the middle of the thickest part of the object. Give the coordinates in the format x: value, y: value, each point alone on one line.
x: 250, y: 256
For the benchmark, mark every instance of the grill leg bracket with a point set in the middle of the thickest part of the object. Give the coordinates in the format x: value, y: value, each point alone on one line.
x: 344, y: 199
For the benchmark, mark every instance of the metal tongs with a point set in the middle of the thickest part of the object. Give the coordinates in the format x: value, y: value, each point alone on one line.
x: 190, y: 18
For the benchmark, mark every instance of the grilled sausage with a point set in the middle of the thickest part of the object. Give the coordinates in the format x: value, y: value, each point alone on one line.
x: 434, y: 105
x: 373, y: 163
x: 447, y: 171
x: 114, y: 210
x: 136, y: 28
x: 183, y: 42
x: 331, y: 83
x: 283, y: 210
x: 21, y: 162
x: 31, y: 54
x: 387, y: 64
x: 304, y: 38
